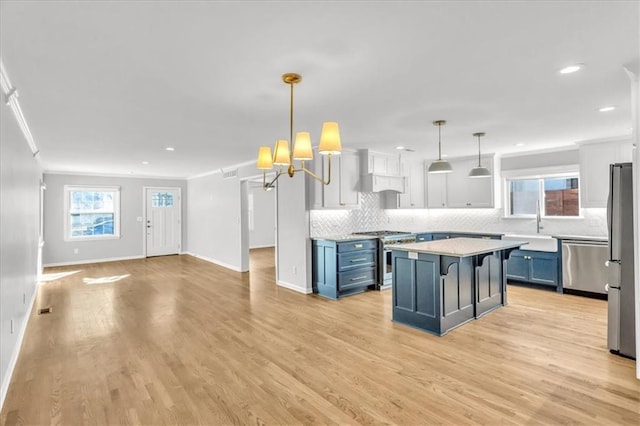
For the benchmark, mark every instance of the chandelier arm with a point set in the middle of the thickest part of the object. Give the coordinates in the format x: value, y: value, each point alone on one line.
x: 315, y: 176
x: 267, y: 186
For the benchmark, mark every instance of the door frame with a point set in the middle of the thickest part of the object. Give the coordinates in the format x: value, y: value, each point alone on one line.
x: 144, y: 214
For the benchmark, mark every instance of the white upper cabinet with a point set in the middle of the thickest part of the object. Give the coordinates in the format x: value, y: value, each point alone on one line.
x: 379, y: 163
x: 458, y: 190
x: 414, y: 196
x: 342, y: 192
x: 594, y: 169
x: 436, y: 190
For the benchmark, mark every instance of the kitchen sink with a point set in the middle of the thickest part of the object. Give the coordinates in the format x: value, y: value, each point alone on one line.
x: 536, y: 242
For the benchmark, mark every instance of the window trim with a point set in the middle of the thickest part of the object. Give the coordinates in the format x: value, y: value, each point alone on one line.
x: 540, y: 173
x: 67, y: 211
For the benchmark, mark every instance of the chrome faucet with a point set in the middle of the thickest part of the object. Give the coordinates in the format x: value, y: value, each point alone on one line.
x: 538, y: 218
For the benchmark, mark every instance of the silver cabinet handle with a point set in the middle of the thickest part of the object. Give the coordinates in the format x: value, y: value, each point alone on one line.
x: 361, y: 259
x: 364, y: 277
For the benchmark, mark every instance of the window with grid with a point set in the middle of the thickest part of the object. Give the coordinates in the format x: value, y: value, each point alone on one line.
x: 92, y: 212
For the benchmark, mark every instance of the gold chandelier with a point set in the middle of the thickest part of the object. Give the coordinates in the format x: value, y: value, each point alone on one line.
x: 284, y: 155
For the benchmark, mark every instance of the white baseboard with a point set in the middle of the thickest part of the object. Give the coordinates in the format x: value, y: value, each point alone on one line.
x: 16, y: 349
x: 84, y: 262
x: 216, y: 262
x: 264, y: 246
x: 294, y: 287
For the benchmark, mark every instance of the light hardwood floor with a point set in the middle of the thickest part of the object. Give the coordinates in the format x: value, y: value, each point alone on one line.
x: 176, y: 340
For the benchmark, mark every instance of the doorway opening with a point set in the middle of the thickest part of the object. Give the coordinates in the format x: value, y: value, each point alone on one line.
x: 258, y: 226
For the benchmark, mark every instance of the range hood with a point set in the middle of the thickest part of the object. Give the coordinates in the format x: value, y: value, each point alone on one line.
x: 376, y: 182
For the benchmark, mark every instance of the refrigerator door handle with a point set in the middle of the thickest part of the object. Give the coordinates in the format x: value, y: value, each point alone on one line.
x: 613, y: 213
x: 613, y: 319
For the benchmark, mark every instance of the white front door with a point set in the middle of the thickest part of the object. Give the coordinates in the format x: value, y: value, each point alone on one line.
x: 163, y: 207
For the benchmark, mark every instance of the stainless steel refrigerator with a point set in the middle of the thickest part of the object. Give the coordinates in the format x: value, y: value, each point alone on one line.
x: 621, y: 322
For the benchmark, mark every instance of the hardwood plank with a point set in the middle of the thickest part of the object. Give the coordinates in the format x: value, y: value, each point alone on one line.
x: 174, y: 339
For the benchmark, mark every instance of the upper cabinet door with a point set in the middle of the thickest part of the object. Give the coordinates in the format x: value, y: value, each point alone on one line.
x: 349, y: 178
x: 436, y: 190
x: 594, y: 170
x: 463, y: 191
x: 342, y: 192
x: 414, y: 195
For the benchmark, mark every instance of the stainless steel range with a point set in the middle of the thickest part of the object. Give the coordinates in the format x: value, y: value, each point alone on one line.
x: 386, y: 240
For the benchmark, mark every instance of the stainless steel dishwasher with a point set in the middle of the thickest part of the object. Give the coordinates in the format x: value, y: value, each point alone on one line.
x: 584, y: 265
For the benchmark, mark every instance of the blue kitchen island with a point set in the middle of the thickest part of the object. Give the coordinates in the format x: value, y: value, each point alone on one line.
x: 440, y: 285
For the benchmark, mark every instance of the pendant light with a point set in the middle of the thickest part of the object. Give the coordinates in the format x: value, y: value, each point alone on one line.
x: 479, y: 171
x: 440, y: 165
x: 285, y: 151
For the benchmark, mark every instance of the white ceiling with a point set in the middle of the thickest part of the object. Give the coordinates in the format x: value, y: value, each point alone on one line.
x: 107, y: 85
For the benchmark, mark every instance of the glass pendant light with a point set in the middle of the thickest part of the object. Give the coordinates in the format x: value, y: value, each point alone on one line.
x: 479, y: 171
x: 440, y: 165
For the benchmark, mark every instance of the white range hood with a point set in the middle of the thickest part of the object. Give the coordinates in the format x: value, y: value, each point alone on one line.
x: 374, y: 182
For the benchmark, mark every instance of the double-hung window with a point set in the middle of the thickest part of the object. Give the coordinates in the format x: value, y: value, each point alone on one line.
x: 91, y: 212
x: 555, y: 195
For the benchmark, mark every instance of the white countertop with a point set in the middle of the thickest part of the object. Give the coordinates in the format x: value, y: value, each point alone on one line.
x: 346, y: 237
x: 459, y: 247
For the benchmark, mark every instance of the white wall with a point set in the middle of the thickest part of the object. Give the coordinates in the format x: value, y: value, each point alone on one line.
x: 293, y: 246
x: 19, y: 224
x: 213, y: 213
x: 262, y: 217
x: 132, y: 233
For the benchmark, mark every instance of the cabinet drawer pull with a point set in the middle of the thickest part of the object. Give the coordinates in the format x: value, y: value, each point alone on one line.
x: 357, y: 245
x: 361, y: 259
x: 363, y: 277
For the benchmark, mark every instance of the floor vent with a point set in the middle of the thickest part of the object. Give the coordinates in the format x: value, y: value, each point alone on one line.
x: 44, y: 311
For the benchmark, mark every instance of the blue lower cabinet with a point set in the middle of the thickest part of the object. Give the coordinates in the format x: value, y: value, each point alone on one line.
x: 535, y: 267
x: 343, y: 268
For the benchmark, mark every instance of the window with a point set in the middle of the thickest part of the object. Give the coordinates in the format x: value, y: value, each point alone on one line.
x: 162, y: 199
x: 558, y: 196
x: 92, y: 212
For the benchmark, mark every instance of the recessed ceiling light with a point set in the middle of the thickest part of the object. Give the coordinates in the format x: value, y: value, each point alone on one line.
x: 571, y: 69
x: 170, y: 148
x: 399, y: 147
x: 145, y: 162
x: 607, y: 108
x: 519, y: 144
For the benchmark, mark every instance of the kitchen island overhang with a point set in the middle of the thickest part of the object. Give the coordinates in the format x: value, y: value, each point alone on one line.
x: 440, y: 285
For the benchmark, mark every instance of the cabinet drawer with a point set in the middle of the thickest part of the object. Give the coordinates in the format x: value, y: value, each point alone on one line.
x: 356, y: 259
x: 356, y: 278
x: 357, y: 245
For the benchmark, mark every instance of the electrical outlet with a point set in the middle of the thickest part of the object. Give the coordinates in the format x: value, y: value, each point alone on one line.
x: 76, y: 251
x: 11, y: 325
x: 295, y: 270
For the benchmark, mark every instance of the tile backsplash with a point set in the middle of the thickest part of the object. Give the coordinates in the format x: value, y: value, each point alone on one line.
x: 372, y: 217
